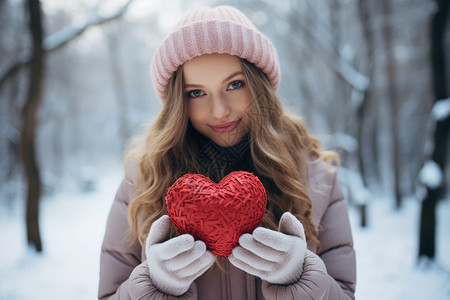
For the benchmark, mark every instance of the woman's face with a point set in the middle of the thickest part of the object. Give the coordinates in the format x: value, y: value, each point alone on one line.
x: 218, y: 98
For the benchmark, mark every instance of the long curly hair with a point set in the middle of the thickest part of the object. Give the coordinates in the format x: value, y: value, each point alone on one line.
x: 280, y: 148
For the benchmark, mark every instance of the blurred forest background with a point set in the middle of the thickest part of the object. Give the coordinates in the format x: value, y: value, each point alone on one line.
x: 359, y: 72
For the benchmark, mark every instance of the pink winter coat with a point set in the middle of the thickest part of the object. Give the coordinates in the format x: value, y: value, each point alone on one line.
x: 330, y: 274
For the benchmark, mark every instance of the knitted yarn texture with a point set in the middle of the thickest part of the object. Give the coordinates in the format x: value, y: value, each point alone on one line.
x: 222, y: 29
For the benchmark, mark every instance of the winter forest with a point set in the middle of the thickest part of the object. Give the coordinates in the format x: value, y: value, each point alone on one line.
x: 369, y: 78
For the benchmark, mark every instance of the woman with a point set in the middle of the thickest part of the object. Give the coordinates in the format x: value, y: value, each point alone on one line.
x: 217, y: 76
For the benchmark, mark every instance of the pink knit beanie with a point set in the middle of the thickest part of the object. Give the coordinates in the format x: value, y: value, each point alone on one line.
x: 222, y: 29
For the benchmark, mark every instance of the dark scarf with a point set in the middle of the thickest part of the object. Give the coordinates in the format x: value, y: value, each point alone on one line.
x: 216, y: 161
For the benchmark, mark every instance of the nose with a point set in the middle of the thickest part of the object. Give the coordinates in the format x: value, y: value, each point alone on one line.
x: 220, y: 108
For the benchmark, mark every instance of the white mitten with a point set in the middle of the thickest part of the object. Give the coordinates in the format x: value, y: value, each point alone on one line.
x: 274, y: 256
x: 174, y: 264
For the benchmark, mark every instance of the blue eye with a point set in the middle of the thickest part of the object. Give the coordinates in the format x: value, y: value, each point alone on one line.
x: 195, y: 94
x: 237, y: 84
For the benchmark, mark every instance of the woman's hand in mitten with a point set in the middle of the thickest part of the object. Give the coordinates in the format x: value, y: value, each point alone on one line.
x: 174, y: 264
x: 274, y: 256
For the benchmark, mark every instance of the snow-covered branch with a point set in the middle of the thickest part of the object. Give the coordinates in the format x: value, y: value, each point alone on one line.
x: 334, y: 60
x: 359, y: 194
x: 441, y: 110
x: 345, y: 142
x: 431, y: 175
x: 59, y: 39
x: 339, y: 65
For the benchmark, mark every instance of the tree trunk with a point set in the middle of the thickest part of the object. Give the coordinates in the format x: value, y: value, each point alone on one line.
x: 118, y: 84
x: 427, y: 238
x: 29, y: 123
x: 392, y: 98
x: 361, y: 113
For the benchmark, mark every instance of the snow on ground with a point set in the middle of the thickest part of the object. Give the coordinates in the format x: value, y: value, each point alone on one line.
x: 72, y: 228
x: 386, y: 251
x: 73, y: 225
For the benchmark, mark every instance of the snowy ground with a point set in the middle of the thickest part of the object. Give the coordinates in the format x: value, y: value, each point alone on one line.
x: 73, y: 226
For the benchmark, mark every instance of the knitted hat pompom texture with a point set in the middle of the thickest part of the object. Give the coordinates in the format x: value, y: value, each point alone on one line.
x: 222, y: 29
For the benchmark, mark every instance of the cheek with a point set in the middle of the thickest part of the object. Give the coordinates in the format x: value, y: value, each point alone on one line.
x: 243, y: 105
x: 196, y: 111
x: 246, y: 110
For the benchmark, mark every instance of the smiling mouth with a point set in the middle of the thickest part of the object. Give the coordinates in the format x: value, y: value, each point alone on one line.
x: 225, y: 127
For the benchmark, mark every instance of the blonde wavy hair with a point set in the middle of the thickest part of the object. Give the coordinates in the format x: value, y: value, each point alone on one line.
x: 280, y: 148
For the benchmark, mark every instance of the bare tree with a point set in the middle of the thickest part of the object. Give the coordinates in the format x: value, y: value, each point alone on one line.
x: 392, y: 97
x: 435, y: 191
x: 36, y: 61
x: 366, y: 133
x: 29, y: 124
x: 118, y: 82
x: 60, y: 39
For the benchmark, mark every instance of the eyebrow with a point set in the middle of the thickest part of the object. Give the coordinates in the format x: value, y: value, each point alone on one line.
x: 233, y: 75
x: 223, y: 81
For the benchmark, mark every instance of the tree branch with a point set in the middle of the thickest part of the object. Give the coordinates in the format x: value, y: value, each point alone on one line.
x: 59, y: 39
x: 340, y: 66
x: 333, y: 60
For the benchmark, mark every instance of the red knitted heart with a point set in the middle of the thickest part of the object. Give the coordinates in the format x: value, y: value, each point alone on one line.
x: 217, y: 214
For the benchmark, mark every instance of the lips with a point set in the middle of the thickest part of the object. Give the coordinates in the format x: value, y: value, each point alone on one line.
x: 225, y: 127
